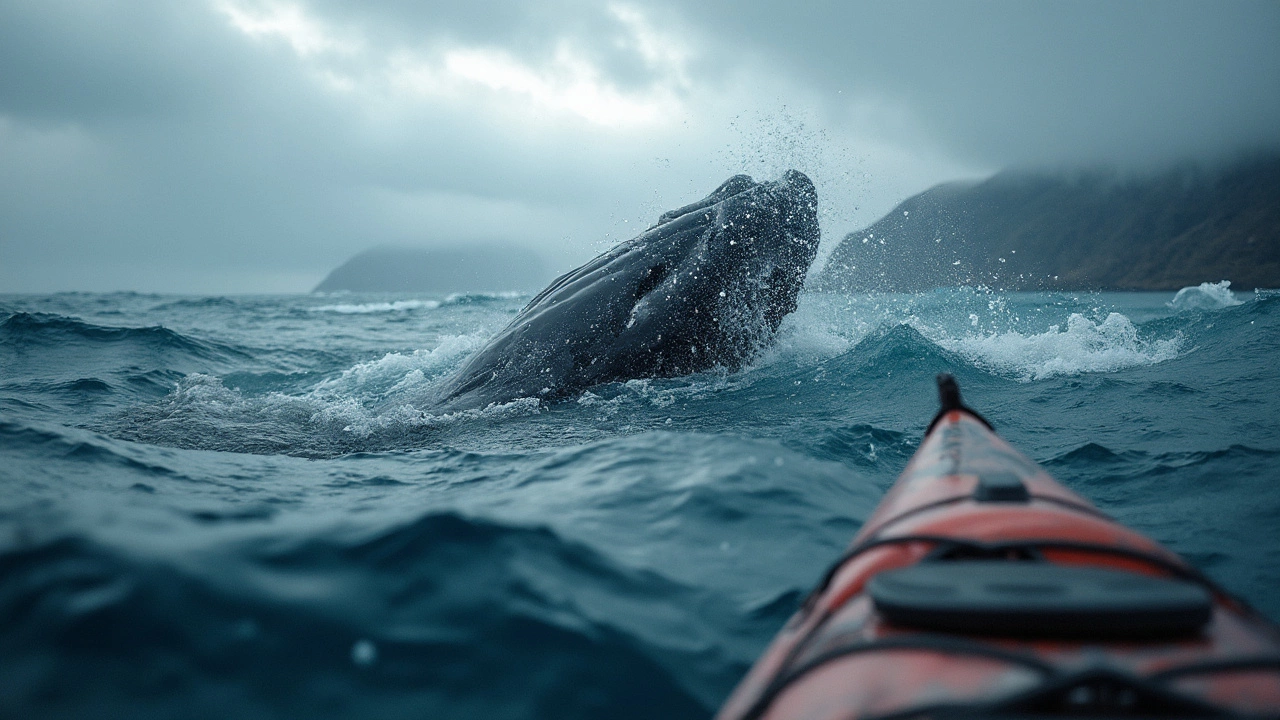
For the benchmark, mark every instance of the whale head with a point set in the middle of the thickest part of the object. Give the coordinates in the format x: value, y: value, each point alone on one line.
x: 705, y: 287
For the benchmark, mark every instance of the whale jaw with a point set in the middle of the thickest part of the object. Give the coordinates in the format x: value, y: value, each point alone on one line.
x: 705, y: 287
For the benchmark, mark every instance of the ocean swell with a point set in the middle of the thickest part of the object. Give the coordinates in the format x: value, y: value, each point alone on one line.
x: 247, y: 507
x: 416, y: 618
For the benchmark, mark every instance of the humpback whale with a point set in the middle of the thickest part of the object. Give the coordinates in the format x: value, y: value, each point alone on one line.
x: 704, y: 287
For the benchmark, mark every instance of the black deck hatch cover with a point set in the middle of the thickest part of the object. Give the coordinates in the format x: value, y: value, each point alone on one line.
x: 1038, y: 599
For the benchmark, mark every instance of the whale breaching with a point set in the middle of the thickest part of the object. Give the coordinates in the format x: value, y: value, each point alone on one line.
x: 705, y: 287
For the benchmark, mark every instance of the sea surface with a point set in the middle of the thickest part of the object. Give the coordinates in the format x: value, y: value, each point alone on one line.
x: 244, y: 507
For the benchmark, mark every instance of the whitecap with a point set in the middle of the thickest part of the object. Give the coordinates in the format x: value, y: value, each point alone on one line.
x: 377, y: 399
x: 378, y: 307
x: 1083, y: 346
x: 465, y: 297
x: 1205, y: 296
x: 400, y: 373
x: 359, y: 422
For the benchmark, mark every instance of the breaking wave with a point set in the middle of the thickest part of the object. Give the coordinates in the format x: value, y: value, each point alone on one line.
x: 1205, y: 296
x: 371, y: 405
x: 378, y: 307
x: 1083, y: 346
x: 403, y: 306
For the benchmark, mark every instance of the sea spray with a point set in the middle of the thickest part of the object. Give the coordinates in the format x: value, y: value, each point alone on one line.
x: 1205, y: 296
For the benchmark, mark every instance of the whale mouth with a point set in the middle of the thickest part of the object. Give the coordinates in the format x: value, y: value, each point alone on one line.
x: 781, y: 299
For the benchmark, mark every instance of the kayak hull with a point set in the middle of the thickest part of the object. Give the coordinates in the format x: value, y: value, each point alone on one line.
x: 970, y: 504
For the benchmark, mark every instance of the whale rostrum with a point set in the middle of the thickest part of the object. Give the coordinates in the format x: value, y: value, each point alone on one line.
x: 705, y: 287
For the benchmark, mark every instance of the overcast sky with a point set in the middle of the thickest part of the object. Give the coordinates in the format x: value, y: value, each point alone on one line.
x: 252, y: 145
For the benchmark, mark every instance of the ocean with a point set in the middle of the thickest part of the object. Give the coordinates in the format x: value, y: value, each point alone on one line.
x: 244, y: 507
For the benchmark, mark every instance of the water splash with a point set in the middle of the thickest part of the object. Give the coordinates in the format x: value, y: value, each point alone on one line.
x: 1205, y: 296
x: 1084, y: 346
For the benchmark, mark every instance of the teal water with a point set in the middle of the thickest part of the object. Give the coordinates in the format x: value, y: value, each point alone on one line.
x: 244, y: 506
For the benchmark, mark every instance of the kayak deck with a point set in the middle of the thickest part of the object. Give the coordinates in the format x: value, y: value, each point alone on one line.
x: 981, y: 585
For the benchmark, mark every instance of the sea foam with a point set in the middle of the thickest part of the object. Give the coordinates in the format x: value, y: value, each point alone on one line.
x: 378, y: 307
x: 1084, y: 346
x: 401, y: 306
x: 1205, y: 296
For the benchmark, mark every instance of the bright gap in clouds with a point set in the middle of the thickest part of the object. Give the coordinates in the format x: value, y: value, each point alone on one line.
x: 289, y: 22
x: 571, y: 84
x: 568, y: 84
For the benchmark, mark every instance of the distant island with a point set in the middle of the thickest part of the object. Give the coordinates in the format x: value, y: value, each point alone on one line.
x: 448, y: 269
x: 1083, y: 230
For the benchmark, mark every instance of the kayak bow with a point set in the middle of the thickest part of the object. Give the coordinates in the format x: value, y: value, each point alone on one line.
x: 981, y: 586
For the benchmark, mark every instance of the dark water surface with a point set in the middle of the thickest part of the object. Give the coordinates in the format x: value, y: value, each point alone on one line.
x: 237, y: 507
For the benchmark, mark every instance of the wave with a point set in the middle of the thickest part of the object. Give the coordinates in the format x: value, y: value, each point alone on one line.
x: 81, y: 387
x: 866, y: 445
x: 467, y: 298
x: 400, y: 306
x: 374, y: 405
x: 78, y: 389
x: 1083, y: 346
x: 93, y: 451
x: 386, y: 403
x: 1205, y: 296
x: 1094, y: 457
x: 445, y: 616
x: 23, y: 329
x: 995, y: 332
x: 198, y: 303
x: 378, y: 307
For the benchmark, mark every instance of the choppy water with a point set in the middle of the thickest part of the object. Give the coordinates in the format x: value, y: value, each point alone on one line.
x: 236, y: 507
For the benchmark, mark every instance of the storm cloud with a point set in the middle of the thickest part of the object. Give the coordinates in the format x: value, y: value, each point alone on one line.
x: 252, y: 145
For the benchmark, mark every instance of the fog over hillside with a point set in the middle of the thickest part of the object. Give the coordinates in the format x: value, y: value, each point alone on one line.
x: 1074, y: 230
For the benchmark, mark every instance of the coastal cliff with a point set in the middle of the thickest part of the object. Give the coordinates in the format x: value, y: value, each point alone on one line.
x: 1083, y: 230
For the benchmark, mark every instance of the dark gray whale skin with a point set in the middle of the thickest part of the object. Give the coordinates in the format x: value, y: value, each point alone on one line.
x: 705, y: 287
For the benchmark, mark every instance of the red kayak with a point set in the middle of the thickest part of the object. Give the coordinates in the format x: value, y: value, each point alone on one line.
x: 980, y: 587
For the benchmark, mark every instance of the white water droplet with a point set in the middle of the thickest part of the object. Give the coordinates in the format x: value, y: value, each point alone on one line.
x: 364, y: 653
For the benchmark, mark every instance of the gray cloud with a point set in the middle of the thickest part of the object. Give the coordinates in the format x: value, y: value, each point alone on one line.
x: 1012, y: 82
x: 253, y: 145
